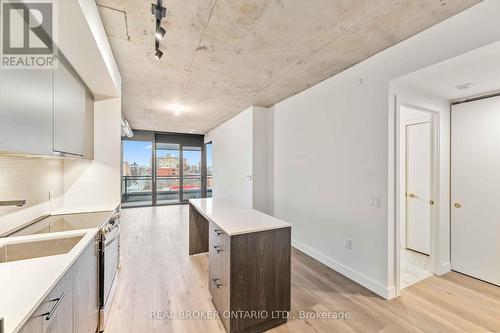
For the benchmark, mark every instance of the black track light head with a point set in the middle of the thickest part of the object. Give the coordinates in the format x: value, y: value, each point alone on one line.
x: 160, y: 33
x: 158, y: 54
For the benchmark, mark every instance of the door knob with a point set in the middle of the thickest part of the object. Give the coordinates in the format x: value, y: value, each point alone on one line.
x: 457, y: 205
x: 411, y: 195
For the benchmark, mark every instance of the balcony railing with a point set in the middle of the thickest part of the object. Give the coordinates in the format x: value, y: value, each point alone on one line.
x: 140, y: 188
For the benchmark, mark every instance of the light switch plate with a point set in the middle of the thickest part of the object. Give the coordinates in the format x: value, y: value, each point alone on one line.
x: 51, y: 195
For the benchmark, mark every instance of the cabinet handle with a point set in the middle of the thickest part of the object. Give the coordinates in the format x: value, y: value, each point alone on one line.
x: 54, y: 308
x: 217, y: 283
x: 218, y: 232
x: 218, y: 248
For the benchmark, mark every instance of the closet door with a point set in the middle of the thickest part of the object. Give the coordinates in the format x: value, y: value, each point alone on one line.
x: 475, y: 189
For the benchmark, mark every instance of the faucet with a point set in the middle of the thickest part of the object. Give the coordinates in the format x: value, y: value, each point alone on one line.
x: 17, y: 203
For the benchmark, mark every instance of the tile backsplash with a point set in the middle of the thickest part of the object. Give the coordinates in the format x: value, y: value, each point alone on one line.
x: 30, y: 179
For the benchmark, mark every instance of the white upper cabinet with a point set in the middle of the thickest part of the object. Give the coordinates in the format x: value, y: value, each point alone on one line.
x: 69, y: 111
x: 45, y: 112
x: 26, y: 111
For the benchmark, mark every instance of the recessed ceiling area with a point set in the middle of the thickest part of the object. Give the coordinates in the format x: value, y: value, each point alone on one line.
x: 473, y: 73
x: 221, y: 56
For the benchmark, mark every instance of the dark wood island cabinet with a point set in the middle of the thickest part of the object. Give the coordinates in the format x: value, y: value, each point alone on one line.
x: 249, y: 263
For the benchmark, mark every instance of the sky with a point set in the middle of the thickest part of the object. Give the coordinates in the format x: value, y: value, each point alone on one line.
x: 140, y: 152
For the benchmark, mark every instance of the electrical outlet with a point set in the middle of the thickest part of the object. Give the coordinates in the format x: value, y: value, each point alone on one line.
x: 51, y: 195
x: 348, y: 244
x: 375, y: 202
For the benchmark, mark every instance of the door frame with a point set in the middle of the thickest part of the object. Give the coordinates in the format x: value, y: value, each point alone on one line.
x: 435, y: 165
x: 203, y: 164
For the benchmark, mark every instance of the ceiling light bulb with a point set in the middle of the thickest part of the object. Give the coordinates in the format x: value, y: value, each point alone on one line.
x: 158, y: 54
x: 160, y: 33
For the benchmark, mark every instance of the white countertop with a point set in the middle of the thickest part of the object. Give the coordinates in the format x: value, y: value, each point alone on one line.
x: 85, y: 209
x: 24, y: 284
x: 17, y: 221
x: 235, y: 219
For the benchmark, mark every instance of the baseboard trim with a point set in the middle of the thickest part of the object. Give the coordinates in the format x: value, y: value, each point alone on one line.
x: 444, y: 268
x: 348, y: 272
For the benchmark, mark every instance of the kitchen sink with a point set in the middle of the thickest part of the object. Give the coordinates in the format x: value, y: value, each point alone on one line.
x: 37, y: 248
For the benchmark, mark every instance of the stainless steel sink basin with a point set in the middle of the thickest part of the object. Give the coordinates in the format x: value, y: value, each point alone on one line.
x: 37, y: 248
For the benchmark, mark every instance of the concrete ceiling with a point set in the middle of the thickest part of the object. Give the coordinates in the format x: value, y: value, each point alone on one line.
x: 222, y: 56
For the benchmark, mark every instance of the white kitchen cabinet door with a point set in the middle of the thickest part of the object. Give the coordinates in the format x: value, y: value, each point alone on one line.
x: 86, y: 300
x: 475, y: 184
x: 418, y: 187
x: 60, y: 317
x: 35, y: 323
x: 26, y: 111
x: 69, y: 110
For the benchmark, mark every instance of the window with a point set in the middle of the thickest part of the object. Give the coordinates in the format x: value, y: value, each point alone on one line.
x: 163, y: 168
x: 137, y: 180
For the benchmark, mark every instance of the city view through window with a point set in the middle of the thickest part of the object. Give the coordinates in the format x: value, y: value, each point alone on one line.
x: 172, y: 185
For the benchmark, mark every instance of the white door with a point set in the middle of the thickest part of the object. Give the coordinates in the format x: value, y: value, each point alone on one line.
x: 418, y: 187
x: 475, y: 189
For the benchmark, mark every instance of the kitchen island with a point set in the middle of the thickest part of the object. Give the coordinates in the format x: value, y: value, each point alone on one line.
x: 249, y: 262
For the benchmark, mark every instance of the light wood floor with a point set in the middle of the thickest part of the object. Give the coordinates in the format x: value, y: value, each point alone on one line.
x: 158, y: 275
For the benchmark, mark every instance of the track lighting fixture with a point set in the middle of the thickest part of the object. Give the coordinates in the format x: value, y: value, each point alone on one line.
x: 159, y: 13
x: 160, y: 33
x: 158, y: 54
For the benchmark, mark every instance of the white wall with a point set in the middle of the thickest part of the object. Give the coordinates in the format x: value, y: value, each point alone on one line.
x: 270, y: 161
x: 232, y: 158
x: 334, y: 150
x: 242, y: 159
x: 262, y: 150
x: 97, y: 182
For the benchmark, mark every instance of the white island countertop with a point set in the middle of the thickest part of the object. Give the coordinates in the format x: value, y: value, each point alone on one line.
x: 234, y: 218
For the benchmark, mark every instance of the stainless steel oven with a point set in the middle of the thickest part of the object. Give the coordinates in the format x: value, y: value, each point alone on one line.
x: 109, y: 262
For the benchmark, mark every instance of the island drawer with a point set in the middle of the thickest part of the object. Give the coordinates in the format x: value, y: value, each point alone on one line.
x: 219, y: 268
